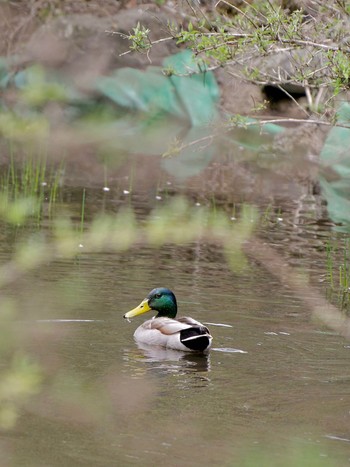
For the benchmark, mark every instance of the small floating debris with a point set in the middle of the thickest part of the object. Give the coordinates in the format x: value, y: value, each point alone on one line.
x: 233, y: 218
x: 219, y: 325
x: 44, y: 184
x: 158, y: 197
x: 228, y: 350
x: 81, y: 245
x: 198, y: 204
x: 284, y: 333
x: 106, y: 188
x: 126, y: 192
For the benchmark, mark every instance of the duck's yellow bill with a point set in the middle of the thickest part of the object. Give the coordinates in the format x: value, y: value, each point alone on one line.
x: 142, y: 308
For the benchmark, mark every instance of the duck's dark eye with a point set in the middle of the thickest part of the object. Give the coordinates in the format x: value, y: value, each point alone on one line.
x: 157, y: 295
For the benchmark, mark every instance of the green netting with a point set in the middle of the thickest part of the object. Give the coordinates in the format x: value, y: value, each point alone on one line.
x: 335, y: 162
x: 192, y: 97
x: 197, y: 89
x: 143, y: 91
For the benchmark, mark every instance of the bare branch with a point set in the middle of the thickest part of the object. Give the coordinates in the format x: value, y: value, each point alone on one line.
x: 231, y: 5
x: 293, y: 99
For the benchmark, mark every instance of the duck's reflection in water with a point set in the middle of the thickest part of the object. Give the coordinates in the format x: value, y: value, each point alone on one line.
x: 192, y: 367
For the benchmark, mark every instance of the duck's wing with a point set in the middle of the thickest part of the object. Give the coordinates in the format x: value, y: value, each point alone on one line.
x: 167, y: 326
x: 192, y: 322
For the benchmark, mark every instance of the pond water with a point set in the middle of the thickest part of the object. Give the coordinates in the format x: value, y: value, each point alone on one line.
x: 273, y: 390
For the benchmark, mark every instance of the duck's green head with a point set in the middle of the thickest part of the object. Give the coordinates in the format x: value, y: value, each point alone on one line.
x: 161, y: 299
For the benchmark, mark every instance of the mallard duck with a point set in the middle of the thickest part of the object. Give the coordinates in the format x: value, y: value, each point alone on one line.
x: 166, y: 331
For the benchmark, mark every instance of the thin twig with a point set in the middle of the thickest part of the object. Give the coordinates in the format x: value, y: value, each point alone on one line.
x: 293, y: 99
x: 246, y: 124
x: 125, y: 36
x: 318, y: 98
x: 308, y: 96
x: 270, y: 80
x: 250, y: 5
x: 334, y: 48
x: 295, y: 120
x: 201, y: 12
x: 231, y: 5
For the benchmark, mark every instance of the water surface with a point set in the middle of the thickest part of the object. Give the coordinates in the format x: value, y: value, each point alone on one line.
x: 273, y: 378
x: 274, y: 387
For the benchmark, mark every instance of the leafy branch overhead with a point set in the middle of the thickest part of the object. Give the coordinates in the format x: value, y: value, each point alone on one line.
x: 265, y: 44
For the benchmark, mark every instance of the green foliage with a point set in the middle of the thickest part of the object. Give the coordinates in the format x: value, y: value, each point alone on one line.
x: 38, y: 90
x: 338, y: 272
x: 139, y: 38
x: 18, y: 211
x: 314, y: 45
x: 240, y: 121
x: 20, y: 375
x: 19, y: 382
x: 25, y: 127
x: 26, y: 191
x: 340, y: 66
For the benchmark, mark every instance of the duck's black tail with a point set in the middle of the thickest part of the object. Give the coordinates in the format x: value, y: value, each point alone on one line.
x: 196, y: 338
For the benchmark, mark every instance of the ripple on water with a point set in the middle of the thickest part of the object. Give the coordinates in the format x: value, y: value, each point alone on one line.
x: 219, y: 325
x: 228, y: 350
x: 337, y: 438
